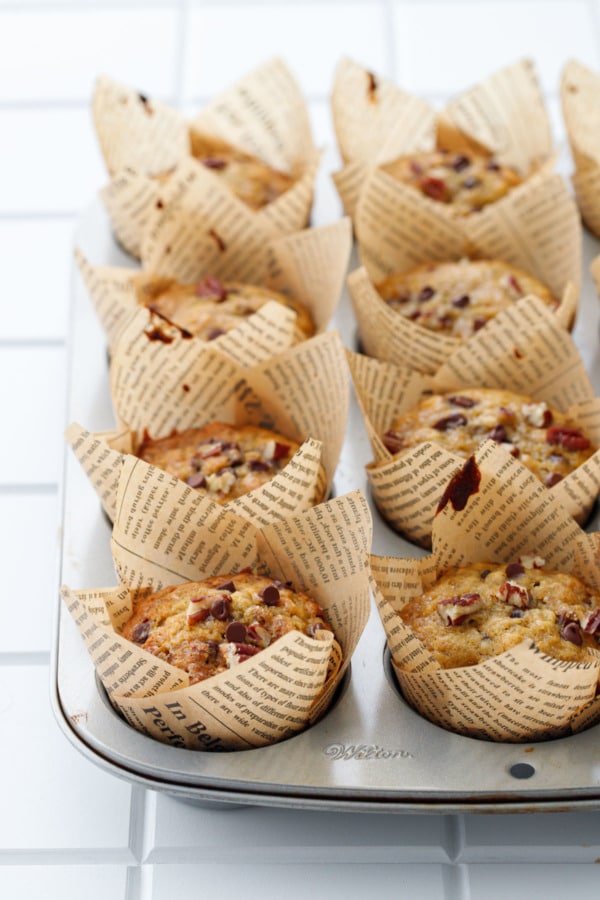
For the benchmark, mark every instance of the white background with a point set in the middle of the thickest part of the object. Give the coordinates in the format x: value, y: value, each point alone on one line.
x: 67, y: 829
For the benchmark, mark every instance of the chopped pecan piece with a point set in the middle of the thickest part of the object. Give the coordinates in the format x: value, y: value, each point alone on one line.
x: 515, y: 595
x: 455, y: 610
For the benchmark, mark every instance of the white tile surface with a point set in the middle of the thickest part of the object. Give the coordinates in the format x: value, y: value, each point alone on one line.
x: 185, y: 832
x: 17, y: 511
x: 60, y: 882
x: 136, y: 46
x: 311, y: 37
x: 576, y: 837
x: 455, y: 44
x: 50, y: 160
x: 35, y: 260
x: 339, y: 882
x: 57, y: 799
x: 34, y: 406
x: 551, y: 882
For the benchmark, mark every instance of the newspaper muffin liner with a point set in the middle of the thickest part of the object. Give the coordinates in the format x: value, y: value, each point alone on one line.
x: 523, y: 350
x: 376, y: 122
x: 309, y: 265
x: 537, y: 230
x: 160, y: 388
x: 522, y: 695
x: 580, y: 98
x: 165, y: 534
x: 144, y: 142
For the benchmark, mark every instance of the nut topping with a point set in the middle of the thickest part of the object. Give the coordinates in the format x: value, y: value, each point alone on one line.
x: 569, y: 438
x: 537, y: 414
x: 455, y: 610
x: 515, y: 595
x: 591, y: 623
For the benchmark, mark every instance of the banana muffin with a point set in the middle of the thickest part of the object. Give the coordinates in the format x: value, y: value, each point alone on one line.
x: 249, y: 179
x: 207, y: 627
x: 543, y: 439
x: 478, y: 611
x: 465, y: 182
x: 210, y: 308
x: 459, y: 298
x: 224, y: 461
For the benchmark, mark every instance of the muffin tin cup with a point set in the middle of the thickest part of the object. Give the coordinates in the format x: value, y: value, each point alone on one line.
x: 310, y: 265
x: 175, y: 536
x: 143, y: 142
x: 493, y: 511
x: 159, y: 388
x: 523, y: 350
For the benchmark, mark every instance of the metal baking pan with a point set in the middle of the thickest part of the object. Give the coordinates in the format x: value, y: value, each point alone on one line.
x: 371, y: 752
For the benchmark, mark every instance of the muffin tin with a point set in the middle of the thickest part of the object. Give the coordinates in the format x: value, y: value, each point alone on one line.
x: 371, y: 752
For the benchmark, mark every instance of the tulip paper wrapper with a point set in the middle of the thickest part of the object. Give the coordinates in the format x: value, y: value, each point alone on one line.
x: 310, y: 265
x: 147, y: 145
x: 536, y: 229
x: 165, y: 534
x: 523, y: 350
x: 377, y: 122
x: 160, y: 387
x: 522, y: 695
x: 580, y: 95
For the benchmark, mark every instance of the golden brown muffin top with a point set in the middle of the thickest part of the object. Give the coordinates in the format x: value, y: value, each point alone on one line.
x: 545, y: 440
x: 208, y: 626
x: 465, y: 182
x: 210, y: 307
x: 459, y: 298
x: 476, y: 612
x: 221, y: 460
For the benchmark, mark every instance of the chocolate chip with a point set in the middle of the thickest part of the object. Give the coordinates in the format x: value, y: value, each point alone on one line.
x: 214, y: 333
x: 572, y: 632
x: 426, y: 294
x: 196, y: 480
x: 471, y: 182
x: 461, y: 302
x: 213, y: 162
x: 479, y: 322
x: 141, y: 632
x: 513, y: 570
x: 484, y: 574
x: 499, y: 434
x: 456, y: 420
x: 516, y: 614
x: 227, y: 586
x: 236, y: 632
x: 270, y: 595
x: 493, y: 166
x: 258, y: 465
x: 464, y: 402
x: 461, y: 162
x: 220, y: 608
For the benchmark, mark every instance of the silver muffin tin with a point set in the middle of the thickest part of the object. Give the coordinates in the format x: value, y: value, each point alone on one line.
x: 371, y: 752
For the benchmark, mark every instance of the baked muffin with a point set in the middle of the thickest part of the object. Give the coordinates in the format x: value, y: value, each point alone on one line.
x: 209, y: 626
x: 543, y: 439
x: 465, y: 182
x: 478, y: 611
x: 223, y: 461
x: 210, y: 308
x: 459, y: 298
x: 251, y: 180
